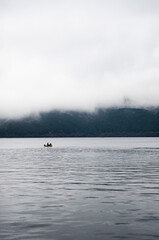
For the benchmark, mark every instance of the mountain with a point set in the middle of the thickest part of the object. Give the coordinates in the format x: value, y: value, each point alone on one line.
x: 102, y: 123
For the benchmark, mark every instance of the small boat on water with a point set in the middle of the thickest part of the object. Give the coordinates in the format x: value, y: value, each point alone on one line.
x: 48, y: 145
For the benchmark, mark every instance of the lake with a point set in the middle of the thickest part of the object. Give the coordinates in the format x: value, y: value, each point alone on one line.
x: 80, y: 189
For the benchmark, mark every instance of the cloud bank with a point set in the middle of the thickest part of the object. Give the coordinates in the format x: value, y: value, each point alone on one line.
x: 77, y: 55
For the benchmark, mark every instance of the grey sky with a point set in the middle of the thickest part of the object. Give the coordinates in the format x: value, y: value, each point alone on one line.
x: 77, y: 54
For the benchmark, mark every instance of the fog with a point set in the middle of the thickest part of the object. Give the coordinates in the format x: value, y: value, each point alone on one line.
x: 78, y: 55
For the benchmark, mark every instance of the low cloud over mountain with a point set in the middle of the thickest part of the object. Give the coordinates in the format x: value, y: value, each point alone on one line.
x: 77, y: 55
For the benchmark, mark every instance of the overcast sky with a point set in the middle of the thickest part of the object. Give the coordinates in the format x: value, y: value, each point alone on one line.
x: 77, y: 55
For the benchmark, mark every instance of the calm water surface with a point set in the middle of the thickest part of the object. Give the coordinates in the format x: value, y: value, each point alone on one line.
x: 80, y: 189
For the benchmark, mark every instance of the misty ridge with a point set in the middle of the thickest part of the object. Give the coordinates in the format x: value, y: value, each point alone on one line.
x: 111, y: 122
x: 71, y: 62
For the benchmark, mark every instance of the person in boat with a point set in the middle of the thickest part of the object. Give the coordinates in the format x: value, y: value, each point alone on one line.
x: 48, y: 145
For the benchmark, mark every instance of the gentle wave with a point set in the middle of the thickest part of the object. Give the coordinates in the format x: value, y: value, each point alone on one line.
x: 87, y: 190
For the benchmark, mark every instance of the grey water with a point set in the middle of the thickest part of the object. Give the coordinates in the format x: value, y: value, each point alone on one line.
x: 80, y: 189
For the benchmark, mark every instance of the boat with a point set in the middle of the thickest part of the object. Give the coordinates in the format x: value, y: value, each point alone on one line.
x: 48, y: 145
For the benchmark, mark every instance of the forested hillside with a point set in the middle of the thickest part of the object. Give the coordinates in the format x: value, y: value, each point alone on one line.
x: 102, y: 123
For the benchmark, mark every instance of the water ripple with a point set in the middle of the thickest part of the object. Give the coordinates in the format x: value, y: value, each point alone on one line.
x: 94, y: 190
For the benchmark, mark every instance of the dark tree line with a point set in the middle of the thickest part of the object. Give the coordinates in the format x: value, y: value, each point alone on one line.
x: 102, y: 123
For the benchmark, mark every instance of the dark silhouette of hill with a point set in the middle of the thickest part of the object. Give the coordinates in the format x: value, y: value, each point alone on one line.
x: 102, y: 123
